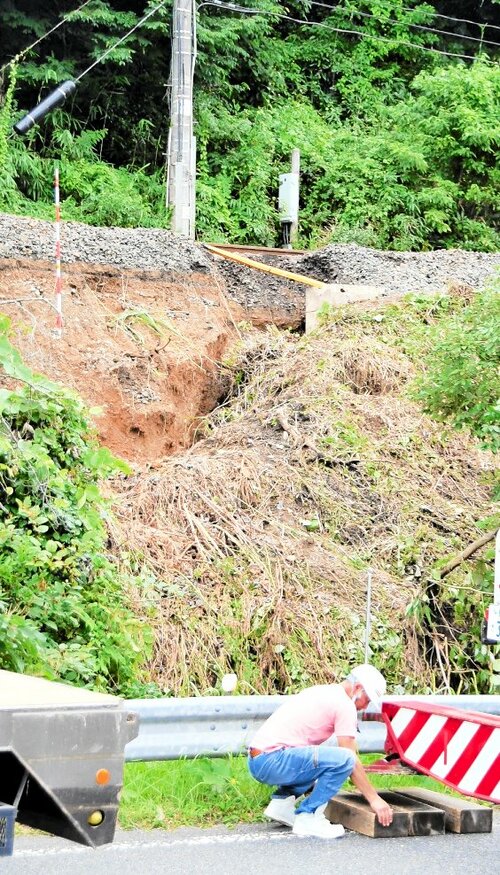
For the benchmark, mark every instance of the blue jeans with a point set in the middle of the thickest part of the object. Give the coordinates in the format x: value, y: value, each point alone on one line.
x: 295, y: 769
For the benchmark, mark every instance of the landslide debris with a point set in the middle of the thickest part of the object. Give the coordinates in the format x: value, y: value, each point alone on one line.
x: 318, y: 467
x: 314, y: 465
x: 397, y: 272
x: 143, y: 350
x: 263, y: 297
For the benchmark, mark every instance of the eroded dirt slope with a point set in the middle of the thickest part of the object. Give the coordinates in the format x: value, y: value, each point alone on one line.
x: 149, y: 317
x: 142, y: 347
x: 259, y: 534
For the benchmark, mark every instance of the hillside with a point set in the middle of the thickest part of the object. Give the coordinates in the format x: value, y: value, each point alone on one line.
x: 262, y: 533
x: 271, y: 469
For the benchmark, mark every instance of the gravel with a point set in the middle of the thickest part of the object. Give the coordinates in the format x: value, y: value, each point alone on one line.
x: 154, y: 249
x: 399, y: 271
x: 139, y: 248
x: 396, y: 272
x: 254, y: 289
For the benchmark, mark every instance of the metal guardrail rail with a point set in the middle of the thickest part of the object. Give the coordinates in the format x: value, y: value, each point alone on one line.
x: 216, y: 726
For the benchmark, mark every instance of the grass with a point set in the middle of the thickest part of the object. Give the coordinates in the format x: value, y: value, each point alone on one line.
x: 200, y: 792
x: 204, y: 792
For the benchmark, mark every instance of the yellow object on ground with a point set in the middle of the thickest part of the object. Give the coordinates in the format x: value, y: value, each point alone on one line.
x: 277, y: 271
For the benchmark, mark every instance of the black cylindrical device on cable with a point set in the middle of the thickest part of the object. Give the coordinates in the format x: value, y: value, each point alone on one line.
x: 55, y: 98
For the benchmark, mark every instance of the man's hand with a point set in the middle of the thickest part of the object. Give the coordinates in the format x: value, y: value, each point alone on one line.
x: 383, y: 811
x: 361, y: 780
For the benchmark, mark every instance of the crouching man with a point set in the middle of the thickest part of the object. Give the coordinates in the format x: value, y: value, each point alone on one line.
x: 285, y: 752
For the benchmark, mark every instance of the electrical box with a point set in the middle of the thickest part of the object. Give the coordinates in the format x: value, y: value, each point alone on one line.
x: 288, y: 200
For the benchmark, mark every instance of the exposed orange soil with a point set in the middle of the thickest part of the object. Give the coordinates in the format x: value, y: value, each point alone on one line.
x: 151, y: 388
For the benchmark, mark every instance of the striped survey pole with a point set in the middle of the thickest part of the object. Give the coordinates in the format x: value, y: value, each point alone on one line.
x: 57, y: 227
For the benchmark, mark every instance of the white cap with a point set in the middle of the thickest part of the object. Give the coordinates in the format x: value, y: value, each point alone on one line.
x: 372, y: 682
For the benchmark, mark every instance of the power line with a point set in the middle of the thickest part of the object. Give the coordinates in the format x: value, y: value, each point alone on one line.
x: 247, y: 10
x: 59, y: 94
x: 45, y: 35
x: 337, y: 8
x: 121, y: 40
x: 451, y: 18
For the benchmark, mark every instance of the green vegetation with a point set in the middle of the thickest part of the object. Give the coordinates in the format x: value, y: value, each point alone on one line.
x: 199, y: 792
x: 64, y: 607
x: 453, y: 341
x: 205, y: 792
x: 397, y: 142
x: 415, y: 175
x: 461, y: 382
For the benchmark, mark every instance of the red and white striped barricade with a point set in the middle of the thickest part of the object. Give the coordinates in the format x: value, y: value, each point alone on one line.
x: 459, y: 748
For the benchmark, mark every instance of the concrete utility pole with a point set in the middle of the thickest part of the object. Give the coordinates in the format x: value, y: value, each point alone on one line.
x: 182, y: 145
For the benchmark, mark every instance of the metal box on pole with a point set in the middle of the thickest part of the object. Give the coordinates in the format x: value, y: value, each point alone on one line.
x: 288, y: 199
x: 288, y: 205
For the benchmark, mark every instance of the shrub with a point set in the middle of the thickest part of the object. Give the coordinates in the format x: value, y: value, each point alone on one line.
x: 63, y: 610
x: 461, y: 383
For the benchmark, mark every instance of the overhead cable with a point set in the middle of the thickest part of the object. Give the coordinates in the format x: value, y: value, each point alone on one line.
x: 121, y: 40
x: 247, y: 10
x: 476, y: 39
x: 59, y: 94
x: 452, y: 18
x: 40, y: 39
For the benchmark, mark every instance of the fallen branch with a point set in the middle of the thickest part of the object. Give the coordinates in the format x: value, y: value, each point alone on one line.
x: 472, y: 548
x: 437, y: 650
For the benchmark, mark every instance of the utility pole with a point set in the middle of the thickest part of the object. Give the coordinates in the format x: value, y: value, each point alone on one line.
x: 181, y: 145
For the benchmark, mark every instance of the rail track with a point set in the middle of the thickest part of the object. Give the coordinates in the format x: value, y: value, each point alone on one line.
x: 256, y: 250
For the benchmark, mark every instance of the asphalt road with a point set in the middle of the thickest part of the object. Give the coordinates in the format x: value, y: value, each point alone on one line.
x: 256, y: 850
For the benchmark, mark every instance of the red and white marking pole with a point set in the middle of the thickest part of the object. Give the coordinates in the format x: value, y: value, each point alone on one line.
x: 57, y: 227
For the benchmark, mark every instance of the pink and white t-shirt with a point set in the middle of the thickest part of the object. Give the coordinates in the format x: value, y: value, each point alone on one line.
x: 310, y: 717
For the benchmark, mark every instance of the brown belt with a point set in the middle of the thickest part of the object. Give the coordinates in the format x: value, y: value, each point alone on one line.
x: 254, y: 752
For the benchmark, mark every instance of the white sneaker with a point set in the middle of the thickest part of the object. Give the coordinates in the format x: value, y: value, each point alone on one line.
x: 308, y: 824
x: 282, y: 810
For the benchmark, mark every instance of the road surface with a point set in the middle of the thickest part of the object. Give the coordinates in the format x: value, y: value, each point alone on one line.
x: 257, y: 849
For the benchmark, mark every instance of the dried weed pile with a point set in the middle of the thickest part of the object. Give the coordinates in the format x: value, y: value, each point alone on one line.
x: 261, y: 534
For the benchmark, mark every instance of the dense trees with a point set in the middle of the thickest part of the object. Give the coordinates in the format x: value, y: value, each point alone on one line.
x: 397, y: 141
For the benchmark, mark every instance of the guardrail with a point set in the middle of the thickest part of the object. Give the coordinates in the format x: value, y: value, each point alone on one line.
x: 215, y: 726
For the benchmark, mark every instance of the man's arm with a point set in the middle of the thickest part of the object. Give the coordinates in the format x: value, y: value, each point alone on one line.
x: 360, y: 780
